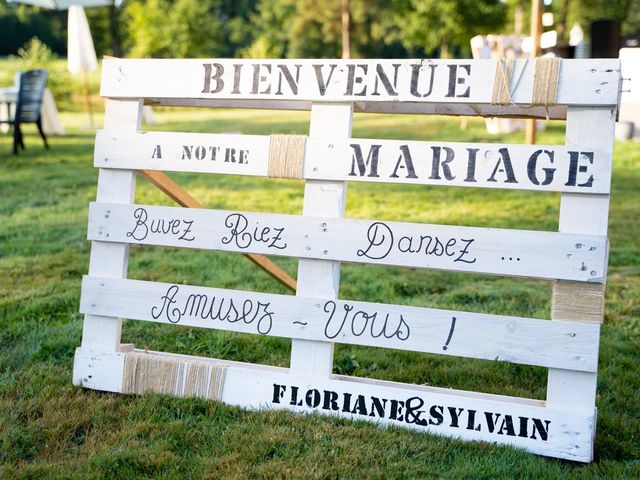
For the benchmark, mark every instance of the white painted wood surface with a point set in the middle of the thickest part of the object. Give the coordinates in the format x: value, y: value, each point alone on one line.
x: 489, y: 165
x: 564, y: 425
x: 581, y: 82
x: 465, y: 415
x: 111, y: 259
x: 98, y: 369
x: 321, y: 277
x: 535, y: 254
x: 183, y: 152
x: 593, y: 127
x: 567, y: 345
x: 557, y: 112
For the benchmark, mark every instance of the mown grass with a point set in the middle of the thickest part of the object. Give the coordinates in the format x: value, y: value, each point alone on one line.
x: 51, y: 429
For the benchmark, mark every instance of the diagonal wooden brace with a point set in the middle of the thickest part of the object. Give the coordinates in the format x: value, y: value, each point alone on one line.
x: 182, y: 197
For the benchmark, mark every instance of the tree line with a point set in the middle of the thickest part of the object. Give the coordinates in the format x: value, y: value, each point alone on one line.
x: 298, y: 28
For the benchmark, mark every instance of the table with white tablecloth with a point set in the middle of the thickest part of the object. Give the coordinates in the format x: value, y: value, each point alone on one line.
x: 51, y: 124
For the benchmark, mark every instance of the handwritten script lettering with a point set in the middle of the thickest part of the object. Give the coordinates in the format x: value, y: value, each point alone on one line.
x: 174, y: 307
x: 243, y: 236
x: 382, y: 241
x: 176, y: 227
x: 361, y: 322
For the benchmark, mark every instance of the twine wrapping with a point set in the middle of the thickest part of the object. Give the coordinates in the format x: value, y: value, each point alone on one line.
x: 502, y: 82
x: 545, y: 82
x: 546, y: 75
x: 286, y: 155
x: 149, y: 373
x: 578, y: 301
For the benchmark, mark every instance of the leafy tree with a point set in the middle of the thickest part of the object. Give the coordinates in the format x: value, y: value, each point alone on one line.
x: 446, y: 24
x: 272, y: 22
x: 20, y: 23
x: 298, y: 28
x: 98, y: 19
x: 187, y: 28
x: 36, y: 55
x: 181, y: 28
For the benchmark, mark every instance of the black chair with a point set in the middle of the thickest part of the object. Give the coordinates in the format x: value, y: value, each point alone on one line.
x: 28, y: 107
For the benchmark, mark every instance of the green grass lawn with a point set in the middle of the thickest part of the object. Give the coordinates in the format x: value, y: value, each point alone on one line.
x: 51, y: 429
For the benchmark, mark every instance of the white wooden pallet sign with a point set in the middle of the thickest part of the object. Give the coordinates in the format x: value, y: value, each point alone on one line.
x: 575, y: 258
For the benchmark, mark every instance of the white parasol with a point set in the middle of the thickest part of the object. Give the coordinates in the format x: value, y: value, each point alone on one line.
x: 81, y: 54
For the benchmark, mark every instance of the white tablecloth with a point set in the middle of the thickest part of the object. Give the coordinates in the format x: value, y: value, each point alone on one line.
x: 51, y: 123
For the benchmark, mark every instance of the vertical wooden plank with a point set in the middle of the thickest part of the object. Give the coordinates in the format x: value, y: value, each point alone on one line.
x: 586, y: 127
x: 536, y: 30
x: 111, y: 259
x: 321, y: 278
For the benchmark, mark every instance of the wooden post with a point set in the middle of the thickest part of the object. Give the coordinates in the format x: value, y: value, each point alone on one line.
x: 346, y: 39
x: 116, y: 50
x: 87, y: 96
x: 536, y: 30
x: 321, y: 278
x: 518, y: 15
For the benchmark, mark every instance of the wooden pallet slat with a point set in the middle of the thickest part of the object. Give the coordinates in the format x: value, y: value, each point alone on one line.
x: 553, y: 168
x: 581, y: 82
x: 321, y: 277
x: 470, y: 416
x: 535, y: 254
x: 567, y: 345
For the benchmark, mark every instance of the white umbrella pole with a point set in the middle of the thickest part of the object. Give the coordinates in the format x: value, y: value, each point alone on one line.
x: 87, y: 96
x: 81, y: 56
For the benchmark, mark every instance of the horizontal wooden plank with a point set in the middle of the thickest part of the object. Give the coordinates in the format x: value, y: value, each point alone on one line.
x: 466, y: 415
x: 581, y: 82
x: 555, y: 168
x: 546, y: 255
x: 557, y: 112
x: 567, y: 345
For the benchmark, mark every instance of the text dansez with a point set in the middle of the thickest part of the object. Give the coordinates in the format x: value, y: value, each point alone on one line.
x: 382, y: 241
